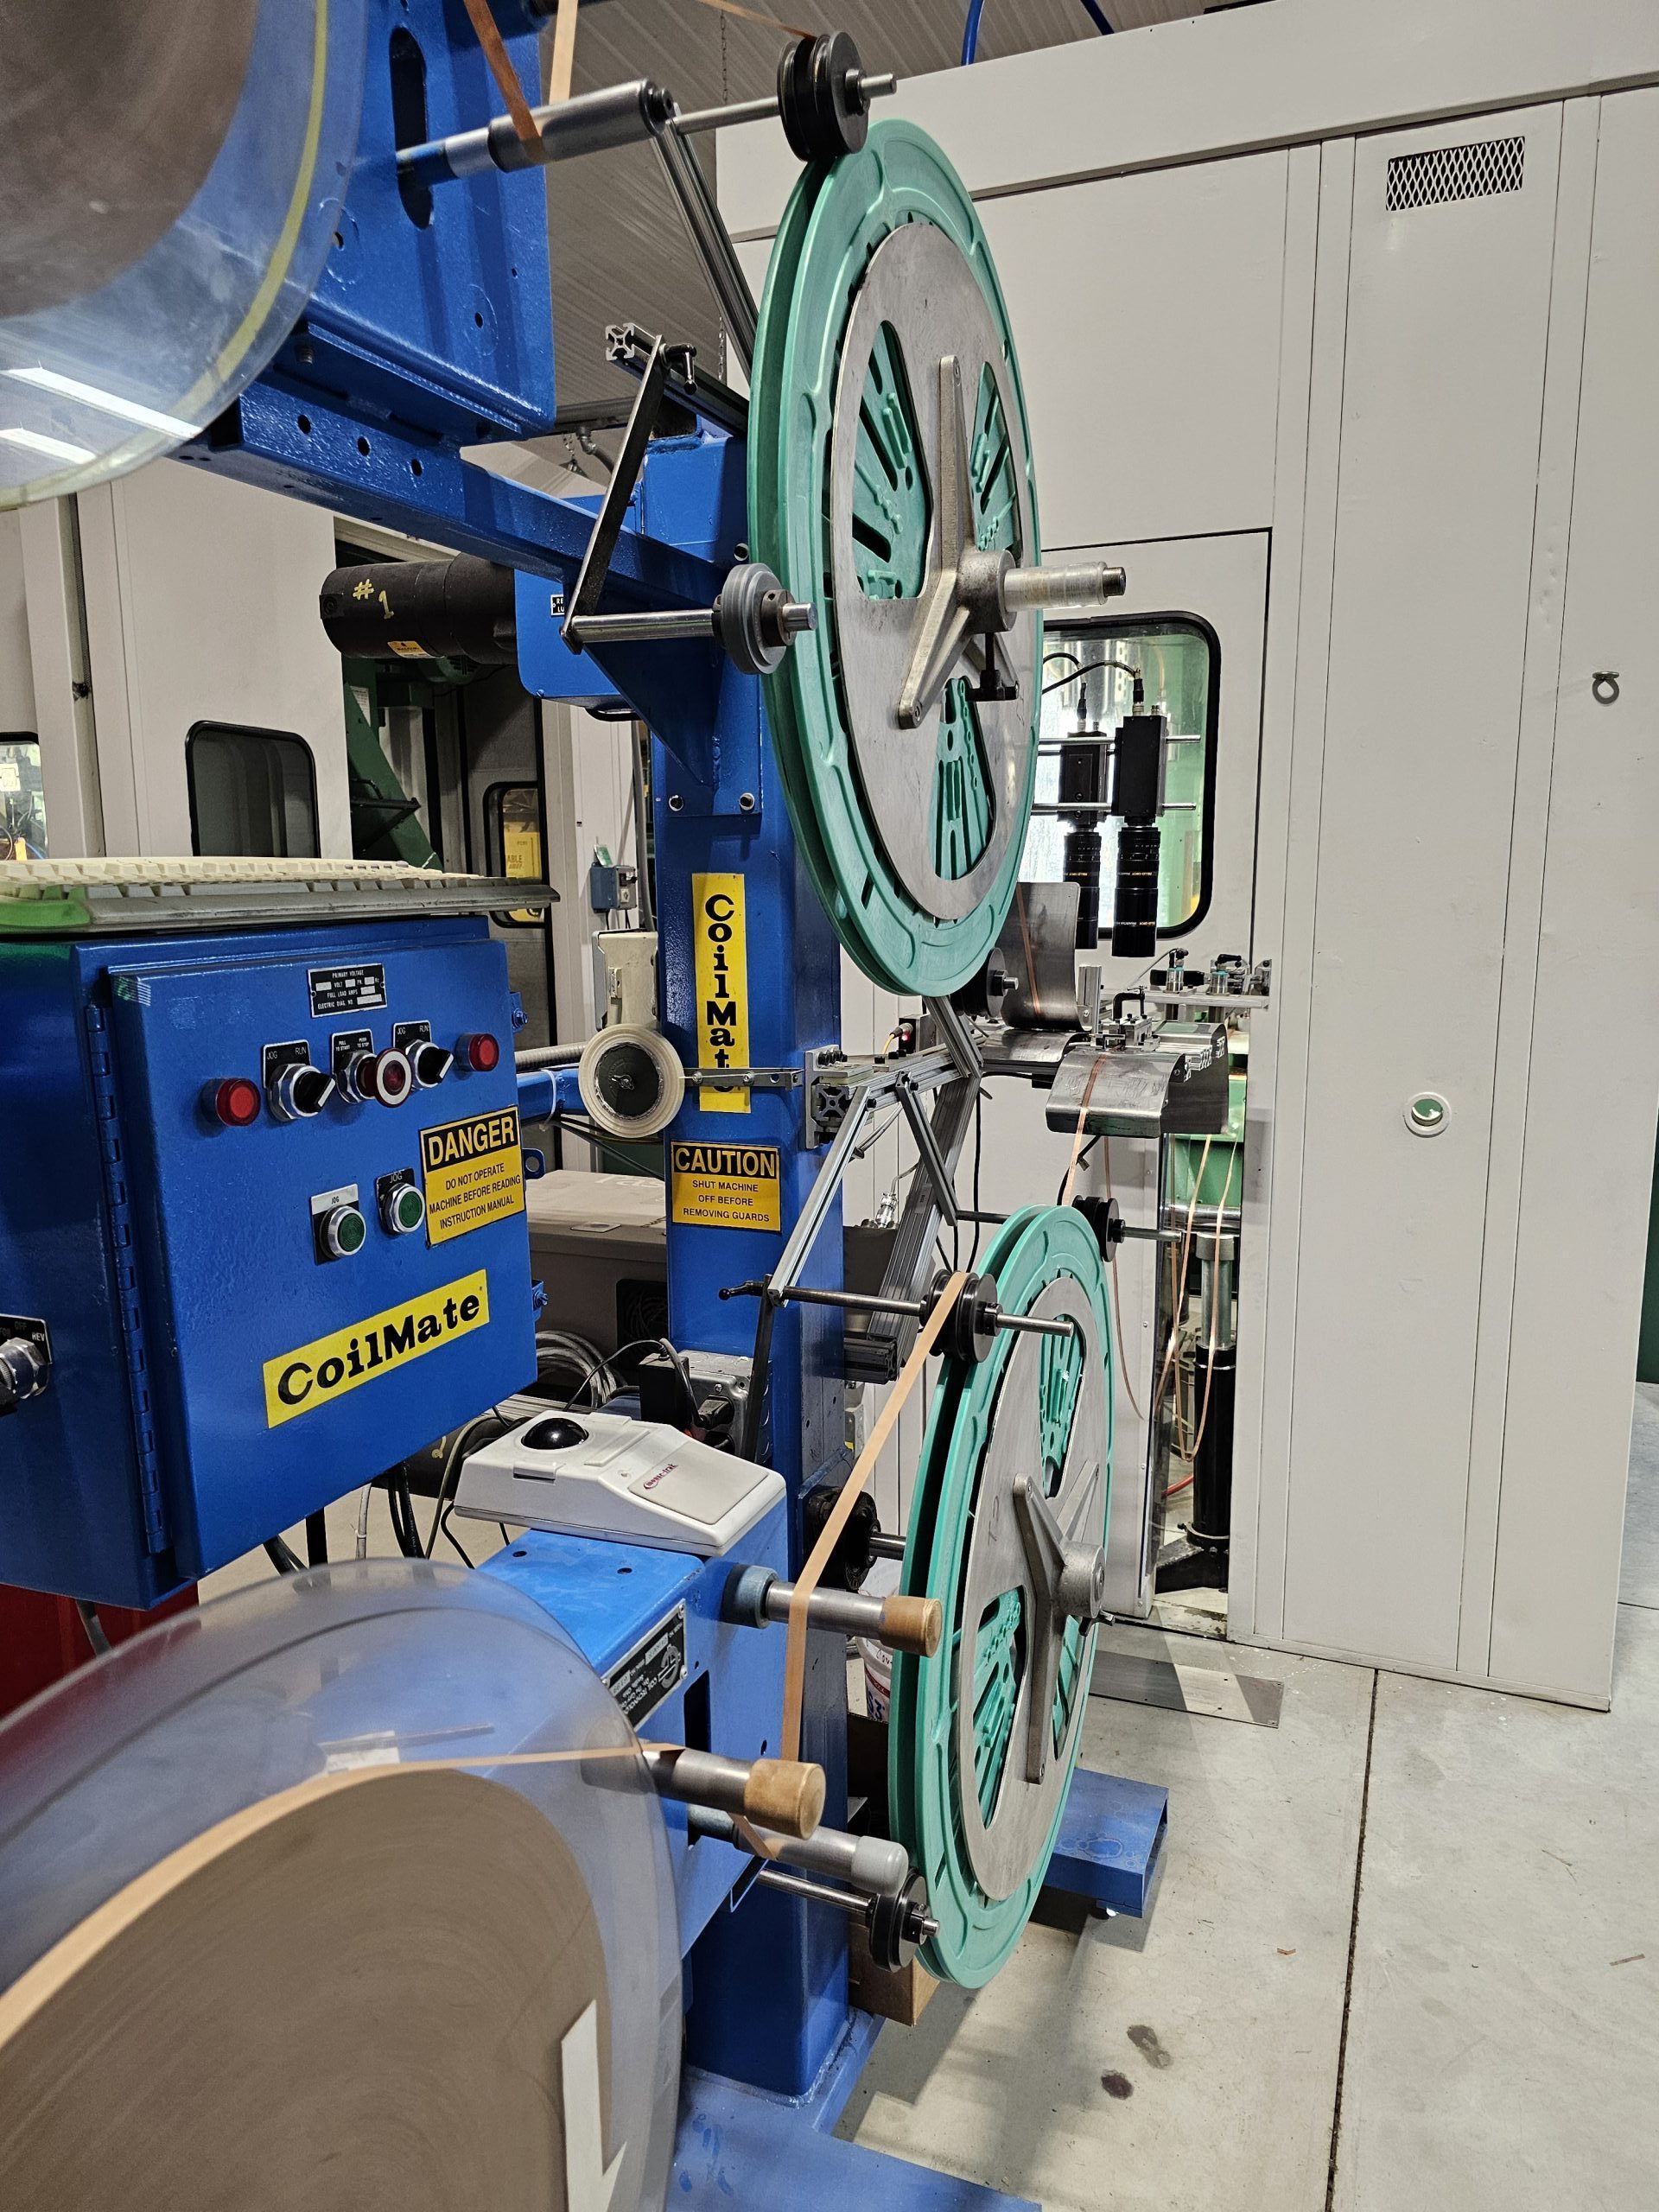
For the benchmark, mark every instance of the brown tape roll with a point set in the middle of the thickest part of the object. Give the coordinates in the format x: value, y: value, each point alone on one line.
x: 912, y: 1625
x: 786, y: 1794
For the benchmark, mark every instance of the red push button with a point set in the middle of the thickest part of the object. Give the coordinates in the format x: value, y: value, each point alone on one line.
x: 386, y: 1076
x: 236, y: 1101
x: 479, y: 1051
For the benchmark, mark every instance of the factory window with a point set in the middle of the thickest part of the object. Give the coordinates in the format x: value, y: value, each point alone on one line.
x: 22, y: 801
x: 513, y: 842
x: 1086, y: 696
x: 253, y: 794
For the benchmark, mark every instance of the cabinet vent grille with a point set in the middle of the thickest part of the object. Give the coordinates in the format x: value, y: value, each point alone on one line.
x: 1456, y: 172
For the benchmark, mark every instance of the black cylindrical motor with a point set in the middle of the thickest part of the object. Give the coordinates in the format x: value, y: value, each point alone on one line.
x: 463, y: 609
x: 1134, y: 906
x: 1212, y: 1470
x: 1080, y: 785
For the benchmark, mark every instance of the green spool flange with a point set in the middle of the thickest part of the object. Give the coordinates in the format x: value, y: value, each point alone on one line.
x: 913, y: 837
x: 959, y: 1791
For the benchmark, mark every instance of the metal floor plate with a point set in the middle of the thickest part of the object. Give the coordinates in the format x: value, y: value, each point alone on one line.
x: 1132, y: 1679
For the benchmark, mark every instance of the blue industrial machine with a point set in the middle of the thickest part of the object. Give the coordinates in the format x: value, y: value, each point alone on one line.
x: 252, y: 1172
x: 265, y: 1232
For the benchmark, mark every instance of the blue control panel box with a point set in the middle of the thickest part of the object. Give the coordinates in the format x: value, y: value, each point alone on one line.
x: 263, y: 1209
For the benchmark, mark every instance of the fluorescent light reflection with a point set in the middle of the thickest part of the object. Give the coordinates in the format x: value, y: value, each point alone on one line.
x: 107, y: 403
x: 53, y: 449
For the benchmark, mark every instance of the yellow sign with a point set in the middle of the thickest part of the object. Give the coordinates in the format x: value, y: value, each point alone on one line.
x: 472, y: 1173
x: 725, y: 1186
x: 723, y: 942
x: 316, y: 1373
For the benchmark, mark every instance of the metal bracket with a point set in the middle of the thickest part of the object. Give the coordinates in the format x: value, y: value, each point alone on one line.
x: 704, y: 395
x: 613, y: 507
x: 1070, y: 1585
x: 744, y: 1078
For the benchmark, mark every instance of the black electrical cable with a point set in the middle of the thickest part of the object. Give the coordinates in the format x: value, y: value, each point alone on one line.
x: 284, y: 1560
x: 316, y: 1539
x: 638, y: 1344
x: 748, y: 1441
x: 451, y: 1475
x: 580, y: 1126
x: 1088, y: 667
x: 96, y: 1634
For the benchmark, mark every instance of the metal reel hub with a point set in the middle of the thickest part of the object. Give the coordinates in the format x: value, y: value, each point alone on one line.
x: 1008, y: 1530
x: 891, y: 485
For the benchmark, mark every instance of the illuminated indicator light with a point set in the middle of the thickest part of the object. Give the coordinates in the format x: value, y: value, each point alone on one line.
x: 236, y: 1101
x: 482, y: 1051
x: 386, y: 1076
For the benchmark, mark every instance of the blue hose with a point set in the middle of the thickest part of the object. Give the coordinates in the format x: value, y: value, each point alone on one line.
x: 976, y: 8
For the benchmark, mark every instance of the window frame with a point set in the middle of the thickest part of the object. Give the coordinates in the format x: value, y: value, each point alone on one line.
x: 1118, y: 625
x: 208, y: 726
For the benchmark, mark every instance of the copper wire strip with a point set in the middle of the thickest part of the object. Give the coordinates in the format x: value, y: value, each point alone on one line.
x: 501, y: 68
x: 563, y: 69
x: 1076, y: 1141
x: 851, y: 1490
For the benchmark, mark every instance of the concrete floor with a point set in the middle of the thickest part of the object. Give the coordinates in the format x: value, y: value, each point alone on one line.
x: 1405, y: 1952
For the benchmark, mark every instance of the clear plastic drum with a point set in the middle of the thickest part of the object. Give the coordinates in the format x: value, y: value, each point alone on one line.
x: 381, y: 1694
x: 171, y: 173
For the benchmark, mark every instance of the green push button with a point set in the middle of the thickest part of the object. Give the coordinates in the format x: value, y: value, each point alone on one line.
x: 403, y: 1210
x: 345, y: 1231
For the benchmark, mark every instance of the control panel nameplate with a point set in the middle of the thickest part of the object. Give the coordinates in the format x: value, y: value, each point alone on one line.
x: 357, y: 990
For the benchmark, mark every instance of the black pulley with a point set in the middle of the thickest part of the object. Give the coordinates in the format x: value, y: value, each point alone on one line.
x: 1105, y: 1217
x: 462, y: 609
x: 971, y: 1330
x: 852, y: 1556
x: 825, y: 114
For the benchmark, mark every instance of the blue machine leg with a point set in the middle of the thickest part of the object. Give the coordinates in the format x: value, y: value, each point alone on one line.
x: 1111, y: 1841
x: 743, y: 2146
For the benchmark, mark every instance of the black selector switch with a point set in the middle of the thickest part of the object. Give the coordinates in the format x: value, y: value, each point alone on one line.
x: 299, y: 1091
x: 557, y: 1433
x: 431, y: 1063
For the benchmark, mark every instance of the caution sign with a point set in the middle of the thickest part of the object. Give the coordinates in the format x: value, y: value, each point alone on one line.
x: 725, y: 1186
x: 315, y: 1375
x: 720, y: 931
x: 472, y: 1173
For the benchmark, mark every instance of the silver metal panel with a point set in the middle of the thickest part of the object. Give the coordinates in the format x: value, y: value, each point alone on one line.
x: 1589, y: 1146
x: 1152, y: 246
x: 1442, y: 385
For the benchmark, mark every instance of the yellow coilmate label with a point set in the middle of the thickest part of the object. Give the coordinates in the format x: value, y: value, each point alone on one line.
x: 316, y: 1373
x: 719, y: 929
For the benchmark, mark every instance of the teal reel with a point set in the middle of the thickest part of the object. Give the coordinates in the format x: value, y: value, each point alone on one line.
x: 891, y: 485
x: 1008, y: 1530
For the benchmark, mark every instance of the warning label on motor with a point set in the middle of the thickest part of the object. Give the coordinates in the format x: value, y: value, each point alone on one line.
x: 472, y: 1173
x: 720, y: 931
x: 725, y: 1186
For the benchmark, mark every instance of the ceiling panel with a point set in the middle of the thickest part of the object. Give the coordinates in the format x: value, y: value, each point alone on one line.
x: 618, y: 252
